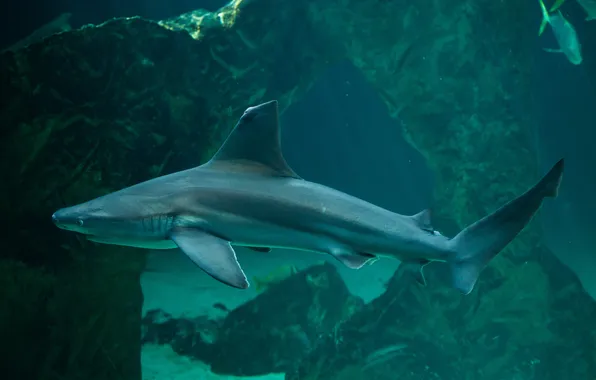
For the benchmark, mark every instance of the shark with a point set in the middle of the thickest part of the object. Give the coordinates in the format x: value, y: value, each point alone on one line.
x: 247, y: 195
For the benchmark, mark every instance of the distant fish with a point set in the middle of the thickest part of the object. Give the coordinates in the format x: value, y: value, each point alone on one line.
x: 57, y: 25
x: 564, y: 33
x: 588, y: 5
x: 221, y: 306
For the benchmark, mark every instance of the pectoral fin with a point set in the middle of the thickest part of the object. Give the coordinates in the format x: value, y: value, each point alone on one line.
x: 213, y: 255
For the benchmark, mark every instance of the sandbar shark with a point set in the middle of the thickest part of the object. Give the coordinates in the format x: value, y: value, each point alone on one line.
x: 247, y: 195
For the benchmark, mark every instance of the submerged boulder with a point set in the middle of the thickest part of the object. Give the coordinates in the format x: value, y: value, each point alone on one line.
x: 283, y: 324
x: 269, y: 334
x: 92, y: 110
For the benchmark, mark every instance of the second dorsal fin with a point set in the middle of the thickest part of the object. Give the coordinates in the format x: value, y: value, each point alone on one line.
x: 254, y: 144
x: 423, y: 220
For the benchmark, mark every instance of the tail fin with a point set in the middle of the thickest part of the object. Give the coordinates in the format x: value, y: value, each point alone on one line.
x: 480, y: 242
x: 545, y: 18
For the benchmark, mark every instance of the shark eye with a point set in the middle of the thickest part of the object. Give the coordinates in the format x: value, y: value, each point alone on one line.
x: 80, y: 222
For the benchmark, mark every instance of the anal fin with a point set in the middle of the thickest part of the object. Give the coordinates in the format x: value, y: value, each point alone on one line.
x: 212, y: 254
x: 415, y: 269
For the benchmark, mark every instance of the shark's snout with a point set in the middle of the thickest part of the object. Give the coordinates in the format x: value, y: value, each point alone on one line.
x: 58, y: 221
x: 65, y: 220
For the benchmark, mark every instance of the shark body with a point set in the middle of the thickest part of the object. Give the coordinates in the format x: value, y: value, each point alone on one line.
x: 247, y: 195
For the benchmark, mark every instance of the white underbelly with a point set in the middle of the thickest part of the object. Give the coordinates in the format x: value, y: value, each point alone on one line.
x: 147, y: 244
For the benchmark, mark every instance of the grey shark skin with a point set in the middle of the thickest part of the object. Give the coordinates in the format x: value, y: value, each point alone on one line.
x: 247, y: 195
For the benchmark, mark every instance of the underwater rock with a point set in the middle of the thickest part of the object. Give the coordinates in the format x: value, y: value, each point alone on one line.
x: 460, y: 85
x: 385, y: 339
x: 193, y: 337
x: 88, y: 111
x: 79, y: 320
x: 286, y: 322
x: 269, y: 334
x: 513, y: 329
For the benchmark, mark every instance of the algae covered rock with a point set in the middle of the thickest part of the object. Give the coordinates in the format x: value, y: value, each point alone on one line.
x: 71, y: 321
x: 269, y: 334
x: 99, y: 108
x: 283, y: 324
x: 459, y: 82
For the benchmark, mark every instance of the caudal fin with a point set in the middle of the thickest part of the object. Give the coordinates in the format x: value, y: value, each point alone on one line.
x: 478, y: 243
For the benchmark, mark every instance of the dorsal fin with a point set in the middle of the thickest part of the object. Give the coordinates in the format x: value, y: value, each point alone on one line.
x: 423, y: 220
x: 254, y: 144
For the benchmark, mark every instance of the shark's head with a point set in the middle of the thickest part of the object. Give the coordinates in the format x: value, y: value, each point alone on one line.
x: 82, y: 218
x: 104, y: 216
